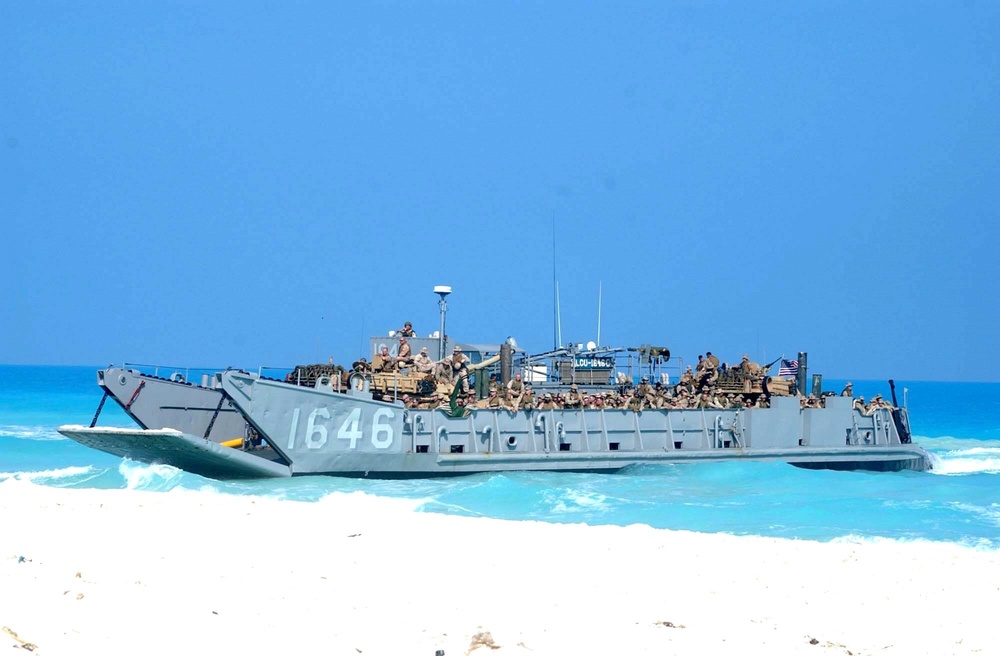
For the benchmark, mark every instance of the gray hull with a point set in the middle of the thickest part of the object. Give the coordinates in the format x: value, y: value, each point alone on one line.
x: 154, y: 402
x: 188, y: 452
x: 319, y: 431
x: 183, y: 425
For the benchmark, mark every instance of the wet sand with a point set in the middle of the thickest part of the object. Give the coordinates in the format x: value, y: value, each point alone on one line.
x: 125, y: 572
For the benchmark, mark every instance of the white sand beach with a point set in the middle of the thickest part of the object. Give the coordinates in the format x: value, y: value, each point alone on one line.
x: 125, y: 572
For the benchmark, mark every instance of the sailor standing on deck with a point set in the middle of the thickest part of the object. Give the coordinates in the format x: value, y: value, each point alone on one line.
x: 848, y: 389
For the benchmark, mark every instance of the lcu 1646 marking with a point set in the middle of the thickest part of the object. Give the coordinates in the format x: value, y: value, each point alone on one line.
x: 317, y: 434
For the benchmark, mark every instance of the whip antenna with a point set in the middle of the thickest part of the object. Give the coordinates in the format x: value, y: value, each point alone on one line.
x: 600, y: 289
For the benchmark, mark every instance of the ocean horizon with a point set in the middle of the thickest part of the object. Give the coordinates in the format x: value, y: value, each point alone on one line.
x: 957, y: 502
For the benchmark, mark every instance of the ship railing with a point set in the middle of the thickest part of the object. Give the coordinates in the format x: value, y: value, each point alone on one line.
x: 204, y: 376
x: 171, y: 372
x: 545, y: 367
x: 878, y: 427
x: 883, y: 420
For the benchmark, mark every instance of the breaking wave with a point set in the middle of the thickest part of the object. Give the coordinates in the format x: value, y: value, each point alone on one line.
x: 963, y: 462
x: 49, y: 475
x: 950, y: 443
x: 41, y: 433
x: 952, y: 456
x: 140, y: 476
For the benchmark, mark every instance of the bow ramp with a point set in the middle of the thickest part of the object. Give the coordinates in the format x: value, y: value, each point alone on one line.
x: 171, y: 447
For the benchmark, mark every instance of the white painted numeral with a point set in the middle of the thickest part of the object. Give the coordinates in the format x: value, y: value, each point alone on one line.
x: 382, y: 429
x: 294, y: 427
x: 312, y: 430
x: 317, y: 434
x: 351, y: 429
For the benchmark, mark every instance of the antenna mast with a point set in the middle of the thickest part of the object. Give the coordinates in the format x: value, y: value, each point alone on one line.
x: 442, y: 291
x: 556, y: 330
x: 600, y: 286
x: 558, y: 318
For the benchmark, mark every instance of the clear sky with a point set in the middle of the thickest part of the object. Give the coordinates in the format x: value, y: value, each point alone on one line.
x: 244, y: 183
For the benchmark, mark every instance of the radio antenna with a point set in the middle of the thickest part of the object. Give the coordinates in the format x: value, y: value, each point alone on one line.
x: 600, y: 289
x: 558, y: 317
x: 556, y: 328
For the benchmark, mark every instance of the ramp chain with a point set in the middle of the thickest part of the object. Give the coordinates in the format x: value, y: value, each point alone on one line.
x: 215, y: 415
x: 100, y: 406
x: 135, y: 395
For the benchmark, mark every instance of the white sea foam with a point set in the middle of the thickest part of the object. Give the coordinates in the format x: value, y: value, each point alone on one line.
x: 977, y: 460
x: 435, y: 506
x: 977, y: 544
x: 952, y: 443
x: 41, y: 433
x: 989, y: 513
x: 979, y: 451
x: 140, y: 476
x: 48, y: 474
x: 575, y: 501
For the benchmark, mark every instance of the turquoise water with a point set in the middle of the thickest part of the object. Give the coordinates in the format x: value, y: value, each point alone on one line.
x: 959, y: 502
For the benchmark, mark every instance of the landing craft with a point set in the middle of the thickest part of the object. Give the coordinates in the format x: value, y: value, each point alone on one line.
x: 329, y: 420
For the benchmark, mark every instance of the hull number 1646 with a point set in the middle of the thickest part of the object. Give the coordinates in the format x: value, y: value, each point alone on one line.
x: 350, y: 430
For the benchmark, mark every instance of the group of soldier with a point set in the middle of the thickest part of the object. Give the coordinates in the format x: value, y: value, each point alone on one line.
x: 447, y: 372
x: 518, y: 395
x: 877, y: 402
x: 709, y: 370
x: 697, y: 388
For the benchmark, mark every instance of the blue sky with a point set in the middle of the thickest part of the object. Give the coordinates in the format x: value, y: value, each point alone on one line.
x: 215, y: 184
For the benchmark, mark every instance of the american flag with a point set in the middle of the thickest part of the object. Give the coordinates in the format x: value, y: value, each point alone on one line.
x: 789, y: 368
